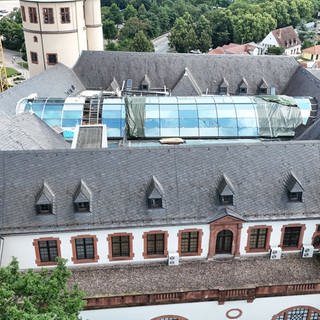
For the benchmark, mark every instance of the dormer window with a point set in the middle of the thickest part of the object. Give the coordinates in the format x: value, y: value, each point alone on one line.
x: 155, y: 195
x: 82, y: 206
x: 243, y: 87
x: 226, y: 192
x: 145, y: 84
x: 295, y: 196
x: 224, y: 87
x: 263, y: 87
x: 294, y: 188
x: 44, y: 208
x: 82, y: 198
x: 45, y: 200
x: 226, y: 200
x: 155, y: 203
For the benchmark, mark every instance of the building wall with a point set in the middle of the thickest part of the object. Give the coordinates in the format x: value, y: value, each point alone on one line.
x: 269, y: 41
x: 310, y: 56
x: 262, y: 309
x: 21, y: 246
x: 67, y: 40
x: 293, y: 51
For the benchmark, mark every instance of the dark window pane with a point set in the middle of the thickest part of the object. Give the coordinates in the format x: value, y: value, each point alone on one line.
x: 189, y: 242
x: 120, y: 246
x: 155, y: 244
x: 291, y: 236
x: 48, y: 250
x: 258, y: 238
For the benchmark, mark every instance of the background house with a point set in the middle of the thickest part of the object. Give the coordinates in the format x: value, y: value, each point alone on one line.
x: 285, y: 38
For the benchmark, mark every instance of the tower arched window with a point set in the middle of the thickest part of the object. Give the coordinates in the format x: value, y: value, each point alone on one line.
x: 298, y: 312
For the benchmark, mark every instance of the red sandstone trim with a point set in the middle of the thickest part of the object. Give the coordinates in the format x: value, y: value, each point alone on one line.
x: 199, y: 251
x: 267, y: 246
x: 109, y: 239
x: 74, y: 251
x: 202, y: 295
x: 316, y: 234
x: 295, y: 307
x: 239, y: 311
x: 169, y: 316
x: 226, y: 223
x: 303, y: 228
x: 145, y: 244
x: 38, y: 261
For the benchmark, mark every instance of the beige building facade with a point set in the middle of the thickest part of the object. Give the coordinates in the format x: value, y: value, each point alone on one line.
x: 58, y: 31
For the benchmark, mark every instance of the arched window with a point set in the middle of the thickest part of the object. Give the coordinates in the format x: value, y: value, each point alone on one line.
x: 170, y: 317
x: 298, y: 312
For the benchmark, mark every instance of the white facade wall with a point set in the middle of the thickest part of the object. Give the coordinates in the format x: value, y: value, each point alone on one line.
x: 21, y: 246
x: 276, y: 233
x: 268, y: 41
x: 293, y: 51
x: 262, y: 309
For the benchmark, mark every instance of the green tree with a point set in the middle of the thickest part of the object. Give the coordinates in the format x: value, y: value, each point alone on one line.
x: 115, y: 14
x: 129, y: 12
x: 40, y: 295
x: 109, y: 29
x: 202, y: 30
x: 11, y: 29
x: 221, y: 26
x: 131, y: 28
x: 140, y: 43
x: 183, y: 37
x: 275, y: 51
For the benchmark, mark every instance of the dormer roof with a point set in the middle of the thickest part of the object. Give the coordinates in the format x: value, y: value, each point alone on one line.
x: 155, y: 189
x: 293, y: 184
x: 225, y: 187
x: 243, y: 83
x: 114, y: 86
x: 45, y: 196
x: 263, y: 84
x: 187, y: 85
x: 224, y: 83
x: 82, y: 194
x: 146, y: 81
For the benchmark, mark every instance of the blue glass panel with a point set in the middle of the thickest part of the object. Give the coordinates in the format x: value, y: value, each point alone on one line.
x: 226, y: 111
x: 169, y: 123
x: 151, y: 123
x: 209, y: 132
x: 228, y: 122
x: 53, y: 122
x: 169, y: 132
x: 113, y: 123
x: 152, y: 111
x: 112, y: 114
x: 207, y: 123
x: 188, y: 123
x: 303, y: 103
x: 72, y: 114
x: 114, y: 132
x: 152, y: 132
x: 37, y: 108
x: 28, y: 106
x: 68, y: 134
x: 169, y: 111
x: 228, y: 132
x: 247, y: 122
x: 207, y: 111
x: 189, y: 132
x: 248, y: 132
x: 111, y: 107
x: 245, y: 111
x: 188, y: 114
x: 70, y: 122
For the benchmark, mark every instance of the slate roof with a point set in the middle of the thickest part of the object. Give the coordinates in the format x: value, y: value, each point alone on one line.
x: 118, y: 180
x: 27, y: 132
x: 96, y: 69
x: 57, y: 82
x: 188, y: 276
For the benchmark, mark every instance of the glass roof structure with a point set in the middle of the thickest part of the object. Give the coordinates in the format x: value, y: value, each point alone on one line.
x: 187, y: 117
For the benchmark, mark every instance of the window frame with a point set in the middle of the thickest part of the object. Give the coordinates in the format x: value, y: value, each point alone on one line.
x: 32, y: 55
x: 284, y: 313
x: 75, y: 258
x: 33, y: 16
x: 226, y: 200
x: 155, y: 203
x: 295, y: 196
x: 267, y: 239
x: 50, y: 63
x: 199, y: 244
x: 78, y: 209
x: 41, y: 210
x: 23, y: 14
x: 37, y: 251
x: 147, y: 255
x: 48, y: 15
x: 300, y: 239
x: 315, y: 235
x: 65, y: 15
x: 119, y: 258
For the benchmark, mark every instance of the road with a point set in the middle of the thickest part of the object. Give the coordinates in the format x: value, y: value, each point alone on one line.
x: 161, y: 44
x: 11, y: 59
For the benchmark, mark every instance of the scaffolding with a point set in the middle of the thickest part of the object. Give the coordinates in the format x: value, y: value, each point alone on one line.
x: 3, y: 72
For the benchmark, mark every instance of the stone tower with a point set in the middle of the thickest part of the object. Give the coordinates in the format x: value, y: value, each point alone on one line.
x: 58, y: 30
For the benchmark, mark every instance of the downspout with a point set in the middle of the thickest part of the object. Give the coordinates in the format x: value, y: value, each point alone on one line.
x: 1, y: 249
x: 43, y: 56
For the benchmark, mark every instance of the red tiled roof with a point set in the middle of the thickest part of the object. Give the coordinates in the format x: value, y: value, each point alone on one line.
x: 233, y: 48
x: 313, y: 50
x: 286, y: 37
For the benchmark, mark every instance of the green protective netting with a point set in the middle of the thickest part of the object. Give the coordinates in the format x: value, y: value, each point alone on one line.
x: 277, y: 119
x: 281, y: 99
x: 135, y: 115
